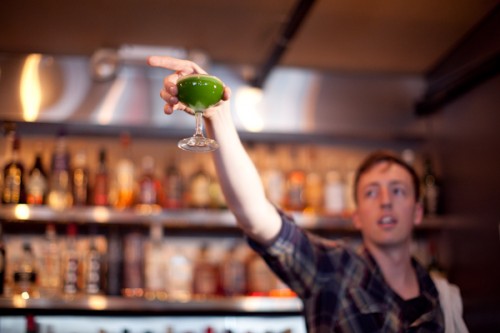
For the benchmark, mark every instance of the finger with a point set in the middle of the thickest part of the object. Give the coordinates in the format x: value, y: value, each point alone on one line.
x: 168, y: 109
x: 181, y: 66
x: 170, y: 83
x: 227, y: 94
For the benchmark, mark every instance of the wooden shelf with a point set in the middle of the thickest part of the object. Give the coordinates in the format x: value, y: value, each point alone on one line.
x: 120, y: 305
x: 201, y: 219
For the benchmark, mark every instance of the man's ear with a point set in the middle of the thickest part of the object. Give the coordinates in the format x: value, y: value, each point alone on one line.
x: 418, y: 214
x: 355, y: 220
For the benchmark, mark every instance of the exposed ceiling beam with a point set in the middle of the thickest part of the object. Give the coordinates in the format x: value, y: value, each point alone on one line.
x: 474, y: 60
x: 296, y: 18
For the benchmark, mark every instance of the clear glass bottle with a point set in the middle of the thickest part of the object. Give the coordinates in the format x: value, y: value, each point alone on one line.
x: 334, y: 194
x: 273, y: 177
x: 80, y: 180
x: 71, y: 263
x: 155, y: 265
x: 25, y: 274
x: 94, y: 270
x: 179, y: 275
x: 60, y: 196
x: 50, y: 276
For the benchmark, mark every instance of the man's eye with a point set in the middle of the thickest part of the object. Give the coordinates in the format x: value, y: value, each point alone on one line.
x: 370, y: 193
x: 398, y: 191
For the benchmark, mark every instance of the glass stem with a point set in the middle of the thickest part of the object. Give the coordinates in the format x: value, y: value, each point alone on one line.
x: 199, y: 123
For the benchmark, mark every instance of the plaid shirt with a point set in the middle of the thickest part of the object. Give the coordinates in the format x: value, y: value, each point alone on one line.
x: 342, y: 288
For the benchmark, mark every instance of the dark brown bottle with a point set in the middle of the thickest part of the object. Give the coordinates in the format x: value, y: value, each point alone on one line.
x: 37, y: 184
x: 173, y: 188
x: 13, y: 191
x: 432, y: 189
x: 101, y: 183
x: 3, y: 262
x: 206, y: 275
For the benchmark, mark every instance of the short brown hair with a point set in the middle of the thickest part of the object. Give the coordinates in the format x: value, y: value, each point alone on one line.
x: 381, y: 156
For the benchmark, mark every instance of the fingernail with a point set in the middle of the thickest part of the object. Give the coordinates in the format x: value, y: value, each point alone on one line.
x: 153, y: 60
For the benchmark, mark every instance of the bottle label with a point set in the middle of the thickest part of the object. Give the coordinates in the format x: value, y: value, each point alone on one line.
x: 24, y: 277
x: 12, y: 185
x: 71, y: 276
x: 94, y: 274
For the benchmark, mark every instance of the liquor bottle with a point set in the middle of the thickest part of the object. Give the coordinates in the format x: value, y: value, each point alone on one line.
x: 149, y: 186
x: 431, y: 187
x: 295, y: 184
x: 3, y: 262
x: 60, y: 196
x: 13, y: 191
x: 273, y: 178
x: 173, y: 187
x: 125, y: 175
x: 435, y: 265
x: 133, y: 269
x: 93, y: 269
x: 31, y: 324
x: 101, y: 181
x: 206, y: 274
x: 350, y: 203
x: 50, y: 276
x: 37, y: 185
x: 25, y: 273
x: 314, y: 185
x: 179, y: 275
x: 217, y: 199
x: 260, y: 279
x: 155, y: 265
x: 71, y: 262
x: 233, y: 275
x: 80, y: 180
x: 334, y: 193
x: 199, y: 186
x: 114, y: 262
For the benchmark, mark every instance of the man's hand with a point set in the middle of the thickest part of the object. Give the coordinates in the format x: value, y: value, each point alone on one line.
x: 169, y: 91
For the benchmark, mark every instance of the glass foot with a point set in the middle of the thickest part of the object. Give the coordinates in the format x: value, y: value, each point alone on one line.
x: 198, y: 144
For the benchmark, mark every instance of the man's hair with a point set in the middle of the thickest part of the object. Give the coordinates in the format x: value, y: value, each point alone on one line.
x: 382, y: 156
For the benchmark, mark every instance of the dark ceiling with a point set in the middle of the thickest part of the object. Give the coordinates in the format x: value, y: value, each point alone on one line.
x: 369, y: 36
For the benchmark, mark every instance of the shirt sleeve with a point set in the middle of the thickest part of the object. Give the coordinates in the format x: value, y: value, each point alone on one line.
x: 292, y: 257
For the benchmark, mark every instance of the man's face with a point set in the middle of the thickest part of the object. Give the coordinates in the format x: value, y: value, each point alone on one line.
x: 387, y: 209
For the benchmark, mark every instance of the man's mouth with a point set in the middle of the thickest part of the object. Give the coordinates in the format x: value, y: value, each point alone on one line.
x: 387, y: 221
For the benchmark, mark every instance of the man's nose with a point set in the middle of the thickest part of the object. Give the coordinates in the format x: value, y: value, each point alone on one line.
x: 385, y: 199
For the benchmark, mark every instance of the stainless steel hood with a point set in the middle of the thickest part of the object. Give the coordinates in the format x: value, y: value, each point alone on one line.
x: 60, y: 91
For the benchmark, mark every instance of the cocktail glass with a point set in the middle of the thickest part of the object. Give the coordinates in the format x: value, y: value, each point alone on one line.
x: 199, y: 92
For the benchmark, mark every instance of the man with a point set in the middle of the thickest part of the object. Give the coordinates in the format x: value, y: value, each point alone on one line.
x: 378, y: 288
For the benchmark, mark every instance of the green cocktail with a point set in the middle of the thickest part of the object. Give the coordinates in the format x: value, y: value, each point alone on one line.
x: 199, y: 92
